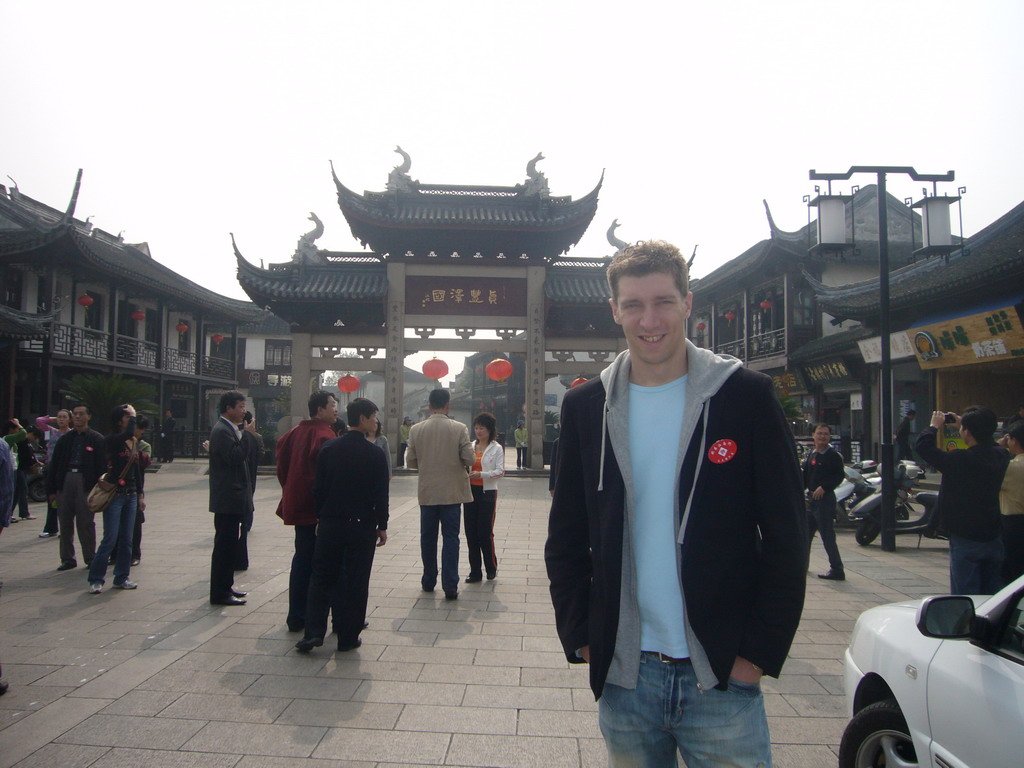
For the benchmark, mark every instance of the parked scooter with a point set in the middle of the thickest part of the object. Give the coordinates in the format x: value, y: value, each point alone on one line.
x: 915, y: 513
x: 849, y: 493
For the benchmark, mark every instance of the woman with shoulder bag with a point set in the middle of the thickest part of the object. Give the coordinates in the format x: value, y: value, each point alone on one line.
x: 125, y: 471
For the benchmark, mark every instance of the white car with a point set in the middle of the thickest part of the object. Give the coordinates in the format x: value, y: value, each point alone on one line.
x: 938, y: 682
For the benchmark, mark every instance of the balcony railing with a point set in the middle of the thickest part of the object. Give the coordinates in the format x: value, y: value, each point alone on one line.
x: 87, y: 344
x: 177, y: 361
x: 767, y: 344
x: 135, y: 351
x: 74, y: 341
x: 734, y: 348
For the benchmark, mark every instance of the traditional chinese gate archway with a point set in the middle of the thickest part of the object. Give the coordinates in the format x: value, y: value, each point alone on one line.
x: 465, y: 258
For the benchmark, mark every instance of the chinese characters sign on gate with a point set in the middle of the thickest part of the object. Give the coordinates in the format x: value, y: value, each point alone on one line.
x: 981, y: 338
x: 444, y: 295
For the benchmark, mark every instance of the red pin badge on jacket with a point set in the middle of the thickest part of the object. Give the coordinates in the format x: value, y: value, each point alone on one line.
x: 722, y: 451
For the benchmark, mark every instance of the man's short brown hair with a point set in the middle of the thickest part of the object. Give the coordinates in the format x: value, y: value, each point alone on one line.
x: 649, y: 257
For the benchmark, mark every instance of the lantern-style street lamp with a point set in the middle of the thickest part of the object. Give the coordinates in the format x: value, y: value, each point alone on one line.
x: 829, y: 238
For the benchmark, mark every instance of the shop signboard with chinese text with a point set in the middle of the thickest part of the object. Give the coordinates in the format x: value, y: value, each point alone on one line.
x: 981, y: 338
x: 447, y: 295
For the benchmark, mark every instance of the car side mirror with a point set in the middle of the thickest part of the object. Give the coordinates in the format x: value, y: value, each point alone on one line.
x: 947, y: 617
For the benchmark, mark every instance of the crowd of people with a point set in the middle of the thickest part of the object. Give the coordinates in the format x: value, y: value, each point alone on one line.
x: 677, y: 559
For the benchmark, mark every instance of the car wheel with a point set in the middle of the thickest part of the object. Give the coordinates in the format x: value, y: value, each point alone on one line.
x: 878, y: 737
x: 37, y: 490
x: 867, y: 531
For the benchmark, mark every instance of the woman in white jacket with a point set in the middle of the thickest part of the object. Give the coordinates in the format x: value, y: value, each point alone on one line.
x: 478, y: 515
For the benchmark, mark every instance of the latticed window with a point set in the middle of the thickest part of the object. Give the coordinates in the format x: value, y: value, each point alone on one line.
x: 278, y: 353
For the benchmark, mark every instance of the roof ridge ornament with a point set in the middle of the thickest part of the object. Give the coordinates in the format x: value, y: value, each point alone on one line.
x: 399, y: 179
x: 615, y: 242
x: 536, y: 181
x: 306, y: 251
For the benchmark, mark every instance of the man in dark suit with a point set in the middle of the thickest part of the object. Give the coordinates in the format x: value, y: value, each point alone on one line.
x: 79, y: 459
x: 230, y: 496
x: 823, y: 472
x: 167, y: 436
x: 351, y: 496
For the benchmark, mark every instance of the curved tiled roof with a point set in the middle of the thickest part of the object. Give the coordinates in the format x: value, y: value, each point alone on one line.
x: 422, y: 218
x: 22, y: 326
x: 44, y: 233
x: 353, y: 281
x: 578, y: 284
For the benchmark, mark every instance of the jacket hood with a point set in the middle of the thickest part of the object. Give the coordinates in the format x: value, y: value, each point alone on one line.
x: 706, y: 373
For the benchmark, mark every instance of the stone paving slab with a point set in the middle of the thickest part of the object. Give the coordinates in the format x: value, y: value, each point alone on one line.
x: 158, y: 677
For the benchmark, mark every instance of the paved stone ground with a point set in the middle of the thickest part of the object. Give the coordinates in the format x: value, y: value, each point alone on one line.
x: 158, y: 677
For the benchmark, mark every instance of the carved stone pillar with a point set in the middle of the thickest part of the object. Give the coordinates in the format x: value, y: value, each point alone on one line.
x: 394, y: 365
x: 302, y: 376
x: 535, y: 365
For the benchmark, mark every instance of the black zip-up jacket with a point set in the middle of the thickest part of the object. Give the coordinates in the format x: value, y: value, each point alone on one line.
x: 118, y: 455
x: 968, y: 503
x: 352, y: 481
x: 824, y: 470
x: 744, y: 552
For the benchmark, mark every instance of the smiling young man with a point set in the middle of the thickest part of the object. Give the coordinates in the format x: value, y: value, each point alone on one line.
x: 676, y: 546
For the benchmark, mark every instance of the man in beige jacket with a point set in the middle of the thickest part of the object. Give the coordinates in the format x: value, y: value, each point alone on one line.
x: 439, y: 448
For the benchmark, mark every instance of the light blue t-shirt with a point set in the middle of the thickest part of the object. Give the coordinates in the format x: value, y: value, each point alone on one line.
x: 655, y: 424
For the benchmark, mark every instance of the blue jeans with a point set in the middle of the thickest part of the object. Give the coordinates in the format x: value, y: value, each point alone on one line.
x: 447, y: 517
x: 975, y: 567
x: 644, y: 727
x: 118, y: 529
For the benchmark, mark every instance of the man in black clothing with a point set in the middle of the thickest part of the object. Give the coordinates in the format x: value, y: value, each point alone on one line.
x: 351, y: 495
x: 230, y: 496
x: 902, y: 436
x: 823, y: 472
x: 167, y: 437
x: 968, y: 506
x: 79, y: 459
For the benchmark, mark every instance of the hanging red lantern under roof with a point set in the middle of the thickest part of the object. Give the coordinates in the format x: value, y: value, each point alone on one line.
x: 86, y: 300
x: 348, y: 383
x: 730, y: 315
x: 181, y: 327
x: 498, y: 369
x: 435, y: 369
x: 138, y: 315
x: 766, y: 304
x: 217, y: 338
x: 701, y: 327
x: 577, y: 381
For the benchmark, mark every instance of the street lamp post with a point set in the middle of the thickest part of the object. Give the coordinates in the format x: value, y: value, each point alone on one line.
x: 885, y: 374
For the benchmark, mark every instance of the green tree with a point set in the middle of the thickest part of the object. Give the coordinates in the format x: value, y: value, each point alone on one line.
x: 104, y: 392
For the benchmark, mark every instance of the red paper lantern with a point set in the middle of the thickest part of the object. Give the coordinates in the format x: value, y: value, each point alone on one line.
x: 86, y: 300
x: 217, y: 338
x: 577, y: 381
x: 701, y: 327
x: 348, y: 383
x: 730, y: 315
x: 138, y: 315
x: 435, y: 369
x: 498, y: 369
x: 766, y: 304
x: 181, y: 327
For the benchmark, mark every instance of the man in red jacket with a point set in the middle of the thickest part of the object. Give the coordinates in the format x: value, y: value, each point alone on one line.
x: 296, y: 470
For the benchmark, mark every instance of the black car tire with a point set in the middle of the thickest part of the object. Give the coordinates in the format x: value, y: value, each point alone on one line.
x: 37, y: 489
x: 877, y: 736
x: 867, y: 531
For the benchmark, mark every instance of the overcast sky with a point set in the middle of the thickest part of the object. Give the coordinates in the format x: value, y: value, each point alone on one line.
x: 195, y: 119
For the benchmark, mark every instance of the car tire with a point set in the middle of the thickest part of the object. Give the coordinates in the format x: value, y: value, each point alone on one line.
x: 37, y: 490
x: 877, y: 736
x: 867, y: 531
